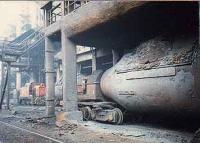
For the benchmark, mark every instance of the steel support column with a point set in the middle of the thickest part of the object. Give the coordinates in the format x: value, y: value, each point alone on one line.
x: 50, y: 84
x: 18, y: 84
x: 70, y: 97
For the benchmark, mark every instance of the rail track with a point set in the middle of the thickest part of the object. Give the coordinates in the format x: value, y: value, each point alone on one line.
x: 11, y: 133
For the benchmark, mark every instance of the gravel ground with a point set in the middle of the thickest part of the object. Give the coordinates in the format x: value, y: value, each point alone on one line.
x: 12, y: 135
x: 142, y: 132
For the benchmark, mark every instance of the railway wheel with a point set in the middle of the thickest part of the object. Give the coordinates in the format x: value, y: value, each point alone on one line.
x: 86, y: 111
x: 119, y: 116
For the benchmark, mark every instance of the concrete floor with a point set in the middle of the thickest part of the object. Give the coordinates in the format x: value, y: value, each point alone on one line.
x: 26, y: 117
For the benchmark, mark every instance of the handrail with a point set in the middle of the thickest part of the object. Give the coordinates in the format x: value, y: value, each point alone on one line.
x: 27, y: 37
x: 32, y: 46
x: 27, y: 44
x: 69, y: 6
x: 57, y: 6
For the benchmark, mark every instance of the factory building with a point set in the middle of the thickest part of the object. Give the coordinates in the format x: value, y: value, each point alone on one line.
x: 92, y: 41
x: 108, y: 61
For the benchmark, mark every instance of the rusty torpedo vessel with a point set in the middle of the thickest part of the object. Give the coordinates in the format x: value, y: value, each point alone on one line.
x: 159, y: 76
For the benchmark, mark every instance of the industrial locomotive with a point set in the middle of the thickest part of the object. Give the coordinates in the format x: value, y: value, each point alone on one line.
x: 32, y: 94
x: 159, y: 76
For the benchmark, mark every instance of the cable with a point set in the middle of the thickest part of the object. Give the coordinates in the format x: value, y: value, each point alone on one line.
x: 4, y: 90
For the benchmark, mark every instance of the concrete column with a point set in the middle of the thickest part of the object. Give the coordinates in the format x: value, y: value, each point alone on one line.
x: 94, y: 61
x: 115, y: 54
x: 50, y: 84
x: 18, y: 80
x: 70, y: 97
x: 18, y: 84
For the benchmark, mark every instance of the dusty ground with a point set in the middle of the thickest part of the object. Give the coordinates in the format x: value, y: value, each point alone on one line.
x: 11, y: 135
x: 30, y: 118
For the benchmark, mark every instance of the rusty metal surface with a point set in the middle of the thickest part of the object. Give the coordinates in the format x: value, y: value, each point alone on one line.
x: 88, y: 87
x: 159, y: 52
x: 24, y: 91
x: 156, y: 77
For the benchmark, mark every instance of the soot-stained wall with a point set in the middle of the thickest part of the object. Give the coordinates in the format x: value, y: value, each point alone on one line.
x: 142, y: 23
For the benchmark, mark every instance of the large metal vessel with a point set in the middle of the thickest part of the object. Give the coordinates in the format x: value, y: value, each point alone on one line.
x: 158, y: 76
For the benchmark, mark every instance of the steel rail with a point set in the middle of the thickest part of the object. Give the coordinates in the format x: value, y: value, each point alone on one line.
x: 31, y: 132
